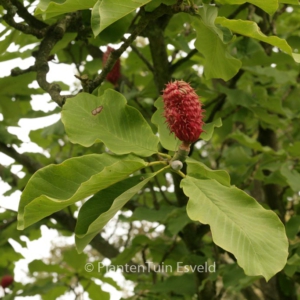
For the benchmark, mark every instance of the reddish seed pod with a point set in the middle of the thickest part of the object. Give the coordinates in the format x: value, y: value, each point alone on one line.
x: 183, y: 111
x: 6, y: 281
x: 114, y: 75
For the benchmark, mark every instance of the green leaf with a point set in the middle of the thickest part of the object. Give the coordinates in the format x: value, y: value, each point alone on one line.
x: 156, y: 3
x: 239, y: 225
x: 292, y: 2
x: 57, y: 186
x: 11, y: 86
x: 55, y: 292
x: 218, y: 62
x: 95, y: 19
x: 64, y: 42
x: 43, y: 286
x: 178, y: 285
x: 53, y: 9
x: 176, y: 220
x: 199, y: 170
x: 95, y: 292
x: 209, y: 129
x: 269, y: 6
x: 280, y: 76
x: 112, y: 11
x: 120, y: 127
x: 167, y: 139
x: 97, y: 211
x: 234, y: 278
x: 294, y: 260
x: 40, y: 266
x: 292, y: 227
x: 150, y: 214
x: 294, y: 149
x: 249, y: 142
x: 251, y: 29
x: 292, y: 177
x: 8, y: 138
x: 137, y: 245
x: 75, y: 260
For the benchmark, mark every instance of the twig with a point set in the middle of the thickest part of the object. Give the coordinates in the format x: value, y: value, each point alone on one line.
x: 142, y: 57
x: 31, y: 165
x: 115, y: 55
x: 222, y: 97
x: 128, y: 235
x: 154, y: 275
x: 159, y: 186
x: 8, y: 223
x: 29, y: 18
x: 183, y: 60
x: 17, y: 71
x: 27, y: 29
x: 167, y: 253
x: 53, y: 35
x: 237, y: 11
x: 6, y: 174
x: 155, y: 201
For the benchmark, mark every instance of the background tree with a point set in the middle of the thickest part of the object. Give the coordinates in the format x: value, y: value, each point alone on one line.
x: 242, y: 59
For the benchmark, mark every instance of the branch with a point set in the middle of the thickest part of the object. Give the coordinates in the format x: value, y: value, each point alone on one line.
x: 9, y: 177
x: 17, y: 71
x: 29, y: 18
x: 221, y: 98
x: 142, y: 57
x: 183, y: 60
x: 66, y: 220
x: 54, y: 34
x: 267, y: 137
x: 237, y: 11
x: 31, y: 165
x: 8, y: 223
x: 115, y: 55
x: 12, y: 9
x: 98, y: 243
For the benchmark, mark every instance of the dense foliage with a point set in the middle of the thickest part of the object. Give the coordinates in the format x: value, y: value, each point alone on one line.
x: 225, y: 226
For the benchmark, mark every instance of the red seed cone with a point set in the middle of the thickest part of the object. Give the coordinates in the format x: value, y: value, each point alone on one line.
x: 183, y: 111
x: 114, y: 75
x: 6, y: 281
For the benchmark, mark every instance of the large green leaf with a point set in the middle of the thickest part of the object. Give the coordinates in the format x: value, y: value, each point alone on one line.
x: 293, y: 2
x: 202, y: 171
x: 49, y: 9
x: 95, y: 19
x: 248, y: 141
x: 251, y: 29
x: 218, y: 62
x: 97, y: 211
x: 11, y: 86
x: 111, y: 11
x: 292, y: 176
x: 239, y: 225
x: 120, y: 127
x: 269, y: 6
x: 209, y: 129
x: 57, y: 186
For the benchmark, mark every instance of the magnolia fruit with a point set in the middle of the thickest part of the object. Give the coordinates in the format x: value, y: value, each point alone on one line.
x: 183, y: 112
x: 6, y: 281
x: 114, y: 75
